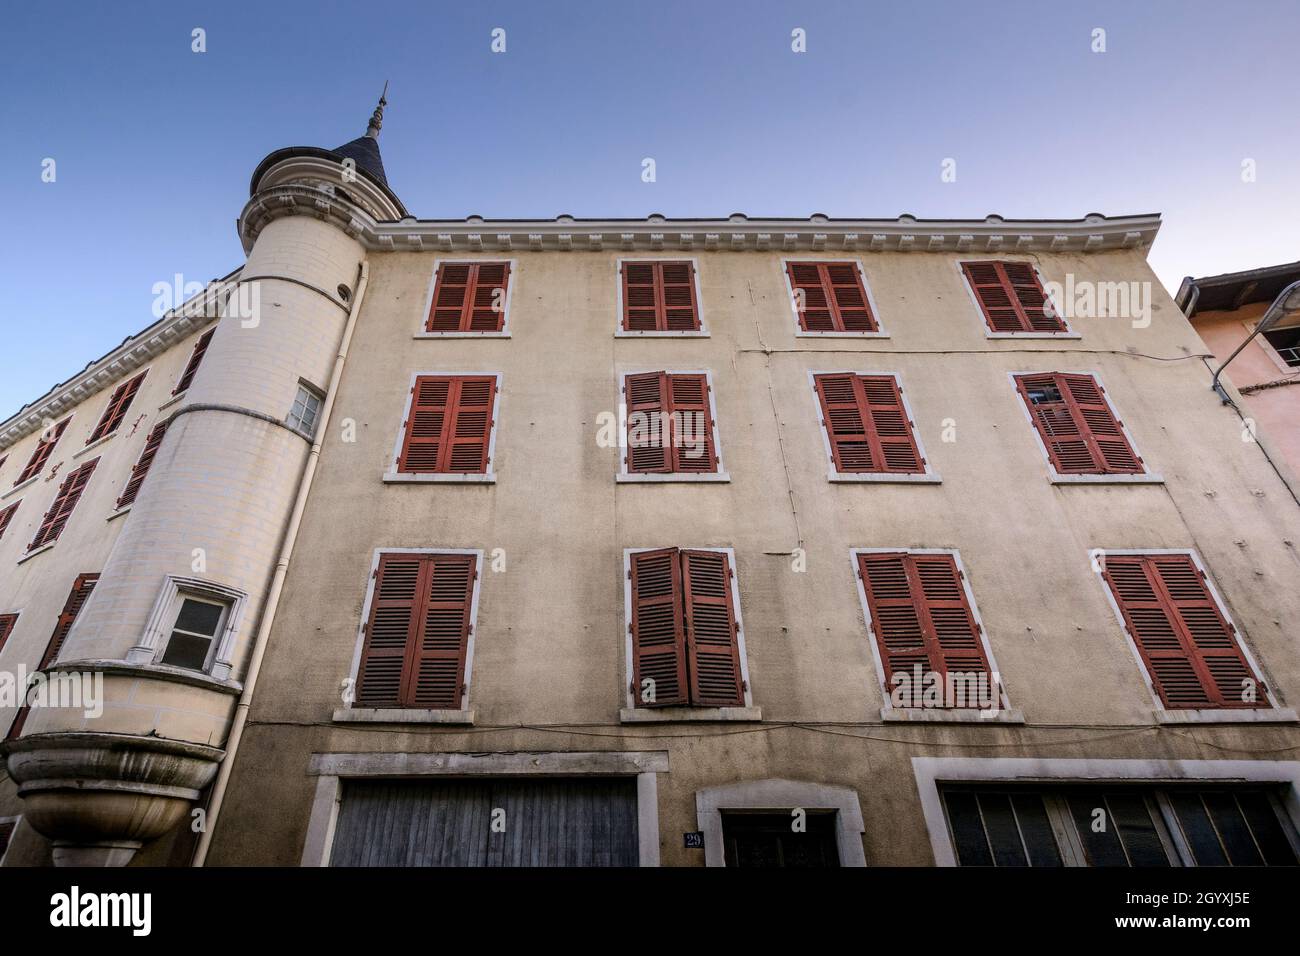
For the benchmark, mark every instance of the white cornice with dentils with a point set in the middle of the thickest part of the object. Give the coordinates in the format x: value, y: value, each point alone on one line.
x: 132, y: 354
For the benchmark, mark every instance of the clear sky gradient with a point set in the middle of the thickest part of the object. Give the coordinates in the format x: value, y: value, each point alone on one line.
x: 154, y: 144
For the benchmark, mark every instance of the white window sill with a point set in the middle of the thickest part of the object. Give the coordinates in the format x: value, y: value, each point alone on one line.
x: 119, y: 512
x: 1246, y: 715
x: 677, y: 476
x: 462, y: 335
x: 373, y: 715
x: 173, y: 400
x: 625, y: 334
x: 953, y: 715
x: 878, y: 334
x: 1033, y: 335
x: 401, y: 478
x: 882, y: 478
x: 94, y: 444
x: 672, y: 715
x: 19, y: 487
x: 41, y: 550
x: 1059, y: 479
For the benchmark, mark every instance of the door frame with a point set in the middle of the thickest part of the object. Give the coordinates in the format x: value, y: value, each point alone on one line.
x: 776, y: 794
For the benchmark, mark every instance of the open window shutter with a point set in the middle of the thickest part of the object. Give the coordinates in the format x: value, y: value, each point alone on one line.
x: 845, y: 421
x: 77, y: 597
x: 951, y: 622
x: 649, y: 439
x: 1189, y: 649
x: 1011, y: 297
x: 142, y: 465
x: 436, y: 660
x: 117, y: 408
x: 64, y: 502
x: 896, y: 619
x: 891, y: 430
x: 692, y: 450
x: 1061, y: 430
x: 196, y: 359
x: 400, y: 582
x: 426, y: 426
x: 42, y: 453
x: 1109, y: 445
x: 658, y: 629
x: 713, y: 656
x: 7, y: 515
x: 469, y: 426
x: 7, y: 622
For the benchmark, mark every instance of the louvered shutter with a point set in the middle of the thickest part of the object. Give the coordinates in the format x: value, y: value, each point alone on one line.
x: 6, y: 516
x: 692, y: 423
x: 7, y: 622
x: 394, y: 617
x: 649, y: 436
x: 1189, y: 648
x: 469, y: 297
x: 142, y: 465
x: 42, y: 453
x: 1011, y: 297
x: 469, y: 425
x: 713, y: 656
x: 658, y: 629
x: 833, y: 296
x: 1076, y: 423
x: 659, y: 297
x: 195, y: 360
x: 867, y: 425
x: 426, y: 426
x: 117, y: 408
x: 449, y: 429
x: 80, y: 593
x: 64, y: 503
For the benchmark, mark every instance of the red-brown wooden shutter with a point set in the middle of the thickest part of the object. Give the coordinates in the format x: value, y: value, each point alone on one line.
x: 142, y: 465
x: 659, y: 297
x: 42, y: 453
x: 1082, y: 434
x: 117, y: 408
x: 920, y: 615
x: 867, y: 425
x: 418, y: 633
x: 77, y: 597
x: 1011, y: 297
x: 658, y: 629
x: 712, y: 651
x: 7, y: 622
x: 1190, y: 651
x: 833, y: 297
x: 64, y: 502
x: 670, y: 425
x: 692, y: 425
x: 469, y: 297
x: 195, y: 360
x: 450, y: 426
x: 6, y: 516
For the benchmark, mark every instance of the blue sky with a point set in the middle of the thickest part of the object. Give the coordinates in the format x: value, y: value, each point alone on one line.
x: 154, y: 143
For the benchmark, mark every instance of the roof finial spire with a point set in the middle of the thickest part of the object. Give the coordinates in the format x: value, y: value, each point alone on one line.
x: 377, y: 117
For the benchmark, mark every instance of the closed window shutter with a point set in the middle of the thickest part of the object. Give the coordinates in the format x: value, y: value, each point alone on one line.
x: 42, y: 453
x: 6, y: 834
x: 64, y: 502
x: 832, y: 295
x: 670, y: 425
x: 142, y: 465
x: 417, y: 636
x: 1188, y: 647
x: 196, y: 359
x: 449, y: 430
x: 469, y: 297
x: 920, y: 615
x: 659, y: 297
x: 692, y: 425
x: 1011, y: 297
x: 6, y: 516
x: 658, y: 629
x: 712, y: 652
x: 7, y: 622
x: 117, y: 408
x: 81, y: 589
x: 1076, y: 423
x: 867, y: 425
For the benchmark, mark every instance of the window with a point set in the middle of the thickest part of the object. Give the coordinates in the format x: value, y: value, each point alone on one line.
x: 77, y: 597
x: 1076, y: 425
x: 196, y: 359
x: 1118, y: 825
x: 867, y: 425
x: 305, y: 411
x: 195, y: 632
x: 469, y: 297
x: 7, y: 622
x: 1286, y: 342
x: 1182, y: 635
x: 6, y: 516
x: 685, y: 629
x: 659, y: 297
x: 117, y: 408
x: 1012, y: 298
x: 929, y: 644
x: 142, y: 465
x: 448, y: 429
x: 7, y: 827
x: 41, y: 455
x: 831, y: 297
x: 670, y: 425
x: 64, y: 502
x: 417, y: 634
x: 765, y: 840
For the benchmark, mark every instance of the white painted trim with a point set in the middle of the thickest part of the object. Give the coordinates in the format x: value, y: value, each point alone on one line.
x: 354, y: 674
x: 102, y: 440
x: 931, y: 771
x: 1069, y: 332
x: 621, y: 333
x: 721, y: 475
x: 1004, y: 714
x: 28, y: 555
x: 776, y: 794
x: 421, y: 331
x: 151, y: 646
x: 880, y: 333
x: 629, y: 661
x: 19, y: 487
x: 392, y: 475
x: 929, y: 476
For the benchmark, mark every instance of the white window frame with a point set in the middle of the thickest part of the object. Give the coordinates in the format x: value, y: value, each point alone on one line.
x: 351, y: 713
x: 422, y: 333
x: 1005, y: 714
x: 685, y: 712
x: 314, y: 392
x: 1221, y: 715
x: 1148, y: 477
x: 621, y: 333
x: 393, y: 476
x: 151, y: 647
x: 800, y: 333
x: 1267, y: 346
x: 631, y: 477
x: 780, y: 795
x: 927, y: 477
x: 1068, y: 334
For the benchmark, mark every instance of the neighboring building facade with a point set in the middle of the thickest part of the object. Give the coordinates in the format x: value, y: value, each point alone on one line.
x: 794, y: 542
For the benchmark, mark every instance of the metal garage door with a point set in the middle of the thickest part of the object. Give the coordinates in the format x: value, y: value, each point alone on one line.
x: 540, y: 822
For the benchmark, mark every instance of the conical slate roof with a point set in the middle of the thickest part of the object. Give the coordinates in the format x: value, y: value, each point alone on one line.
x: 364, y: 151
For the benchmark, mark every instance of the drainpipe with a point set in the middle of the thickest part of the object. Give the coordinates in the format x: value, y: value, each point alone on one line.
x: 277, y: 581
